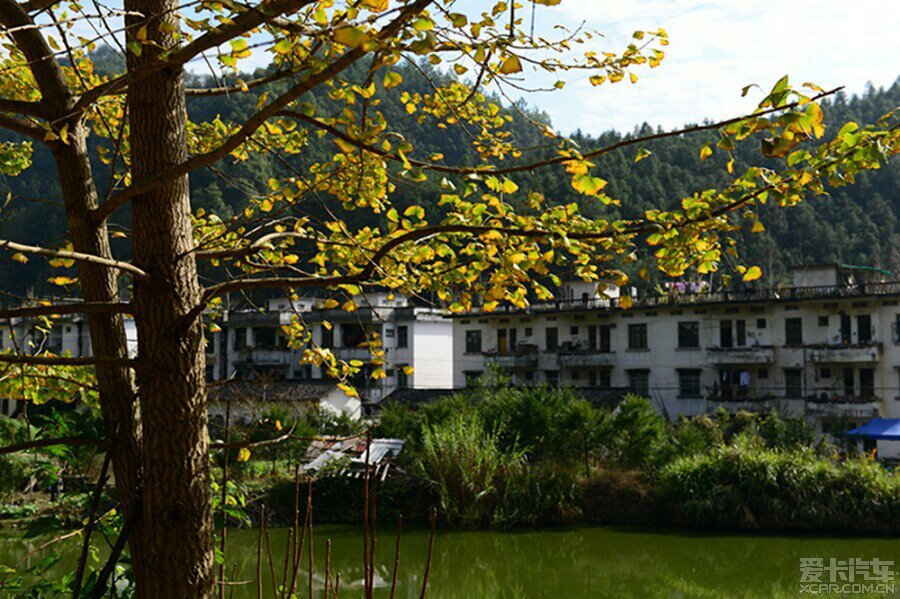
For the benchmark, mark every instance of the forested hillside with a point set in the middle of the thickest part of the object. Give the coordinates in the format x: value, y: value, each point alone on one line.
x: 857, y: 224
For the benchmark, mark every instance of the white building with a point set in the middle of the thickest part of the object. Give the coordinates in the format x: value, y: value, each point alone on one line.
x: 827, y: 347
x: 253, y: 345
x: 67, y: 335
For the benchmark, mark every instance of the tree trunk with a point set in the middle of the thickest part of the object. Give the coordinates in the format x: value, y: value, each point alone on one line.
x: 118, y: 401
x: 178, y: 530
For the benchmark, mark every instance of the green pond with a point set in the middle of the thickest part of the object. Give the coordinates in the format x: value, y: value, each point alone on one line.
x: 568, y: 563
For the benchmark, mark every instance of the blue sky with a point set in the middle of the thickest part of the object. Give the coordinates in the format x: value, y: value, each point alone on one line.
x: 716, y: 48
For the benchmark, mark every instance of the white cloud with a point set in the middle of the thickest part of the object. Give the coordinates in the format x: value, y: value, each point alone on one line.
x: 719, y: 46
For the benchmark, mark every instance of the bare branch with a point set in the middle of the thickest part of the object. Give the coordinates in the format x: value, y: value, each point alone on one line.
x: 70, y: 441
x: 37, y: 5
x: 256, y: 121
x: 199, y: 92
x: 21, y: 127
x: 60, y: 309
x: 254, y: 247
x: 65, y: 361
x: 246, y: 21
x: 23, y: 107
x: 68, y: 255
x: 249, y: 444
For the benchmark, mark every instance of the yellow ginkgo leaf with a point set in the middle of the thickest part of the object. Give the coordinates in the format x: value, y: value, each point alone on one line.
x: 511, y: 65
x: 752, y: 274
x: 243, y: 455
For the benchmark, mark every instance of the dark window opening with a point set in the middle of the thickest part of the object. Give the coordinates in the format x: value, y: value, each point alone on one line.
x: 689, y: 334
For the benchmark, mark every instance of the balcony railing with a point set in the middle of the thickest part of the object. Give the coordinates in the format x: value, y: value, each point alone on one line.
x: 525, y: 360
x: 741, y: 355
x: 783, y: 294
x: 848, y: 354
x: 585, y: 358
x: 848, y: 407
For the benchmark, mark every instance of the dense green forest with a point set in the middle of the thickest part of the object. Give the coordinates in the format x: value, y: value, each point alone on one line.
x: 857, y: 224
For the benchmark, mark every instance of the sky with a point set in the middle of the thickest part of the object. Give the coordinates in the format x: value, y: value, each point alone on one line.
x: 716, y: 48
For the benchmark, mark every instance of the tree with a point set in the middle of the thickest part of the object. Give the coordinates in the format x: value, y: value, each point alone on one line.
x: 495, y: 239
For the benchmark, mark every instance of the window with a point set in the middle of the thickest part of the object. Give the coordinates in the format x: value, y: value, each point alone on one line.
x: 824, y: 373
x: 639, y: 381
x: 573, y: 330
x: 793, y: 331
x: 576, y: 374
x: 402, y: 377
x: 637, y: 336
x: 725, y: 339
x: 867, y: 382
x: 689, y: 383
x: 528, y: 331
x: 864, y: 328
x: 762, y: 373
x: 389, y: 333
x: 793, y: 382
x: 689, y: 334
x: 552, y: 338
x: 473, y: 342
x: 605, y: 379
x: 823, y: 321
x: 552, y: 377
x: 403, y: 336
x: 264, y: 337
x: 239, y: 341
x: 760, y: 323
x: 592, y: 378
x: 740, y: 332
x: 327, y: 337
x: 849, y: 382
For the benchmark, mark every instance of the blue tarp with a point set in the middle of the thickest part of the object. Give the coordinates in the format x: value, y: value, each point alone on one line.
x: 878, y: 428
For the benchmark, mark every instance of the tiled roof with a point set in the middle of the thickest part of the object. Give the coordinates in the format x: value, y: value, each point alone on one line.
x: 279, y: 391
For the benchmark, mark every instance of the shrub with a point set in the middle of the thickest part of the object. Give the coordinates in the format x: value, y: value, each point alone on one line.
x: 634, y: 435
x: 467, y: 466
x: 747, y: 485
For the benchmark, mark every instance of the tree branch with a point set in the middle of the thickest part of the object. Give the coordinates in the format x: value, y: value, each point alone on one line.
x: 37, y: 5
x: 68, y: 255
x: 70, y: 441
x: 55, y: 92
x: 244, y: 22
x: 65, y: 361
x: 22, y: 128
x: 256, y: 121
x: 24, y: 107
x: 249, y: 444
x: 73, y: 308
x: 200, y: 92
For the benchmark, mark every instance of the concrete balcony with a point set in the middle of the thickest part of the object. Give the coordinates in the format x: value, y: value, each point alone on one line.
x: 740, y: 355
x: 845, y: 408
x: 353, y: 353
x: 526, y: 360
x: 850, y: 354
x: 586, y: 358
x: 262, y: 357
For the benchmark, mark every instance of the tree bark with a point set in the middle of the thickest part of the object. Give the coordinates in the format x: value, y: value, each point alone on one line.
x: 178, y: 531
x: 118, y: 400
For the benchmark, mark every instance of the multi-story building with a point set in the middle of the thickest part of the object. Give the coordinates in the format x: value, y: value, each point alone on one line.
x: 827, y: 347
x: 252, y: 343
x: 66, y: 335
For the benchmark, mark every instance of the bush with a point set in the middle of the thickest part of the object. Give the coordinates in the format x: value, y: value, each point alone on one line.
x: 467, y: 466
x: 747, y: 485
x: 613, y: 496
x: 634, y: 435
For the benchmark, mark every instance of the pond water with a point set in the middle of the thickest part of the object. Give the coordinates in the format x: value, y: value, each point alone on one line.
x: 570, y: 563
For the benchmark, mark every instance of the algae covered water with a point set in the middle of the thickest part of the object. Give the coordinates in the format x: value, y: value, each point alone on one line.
x: 568, y: 563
